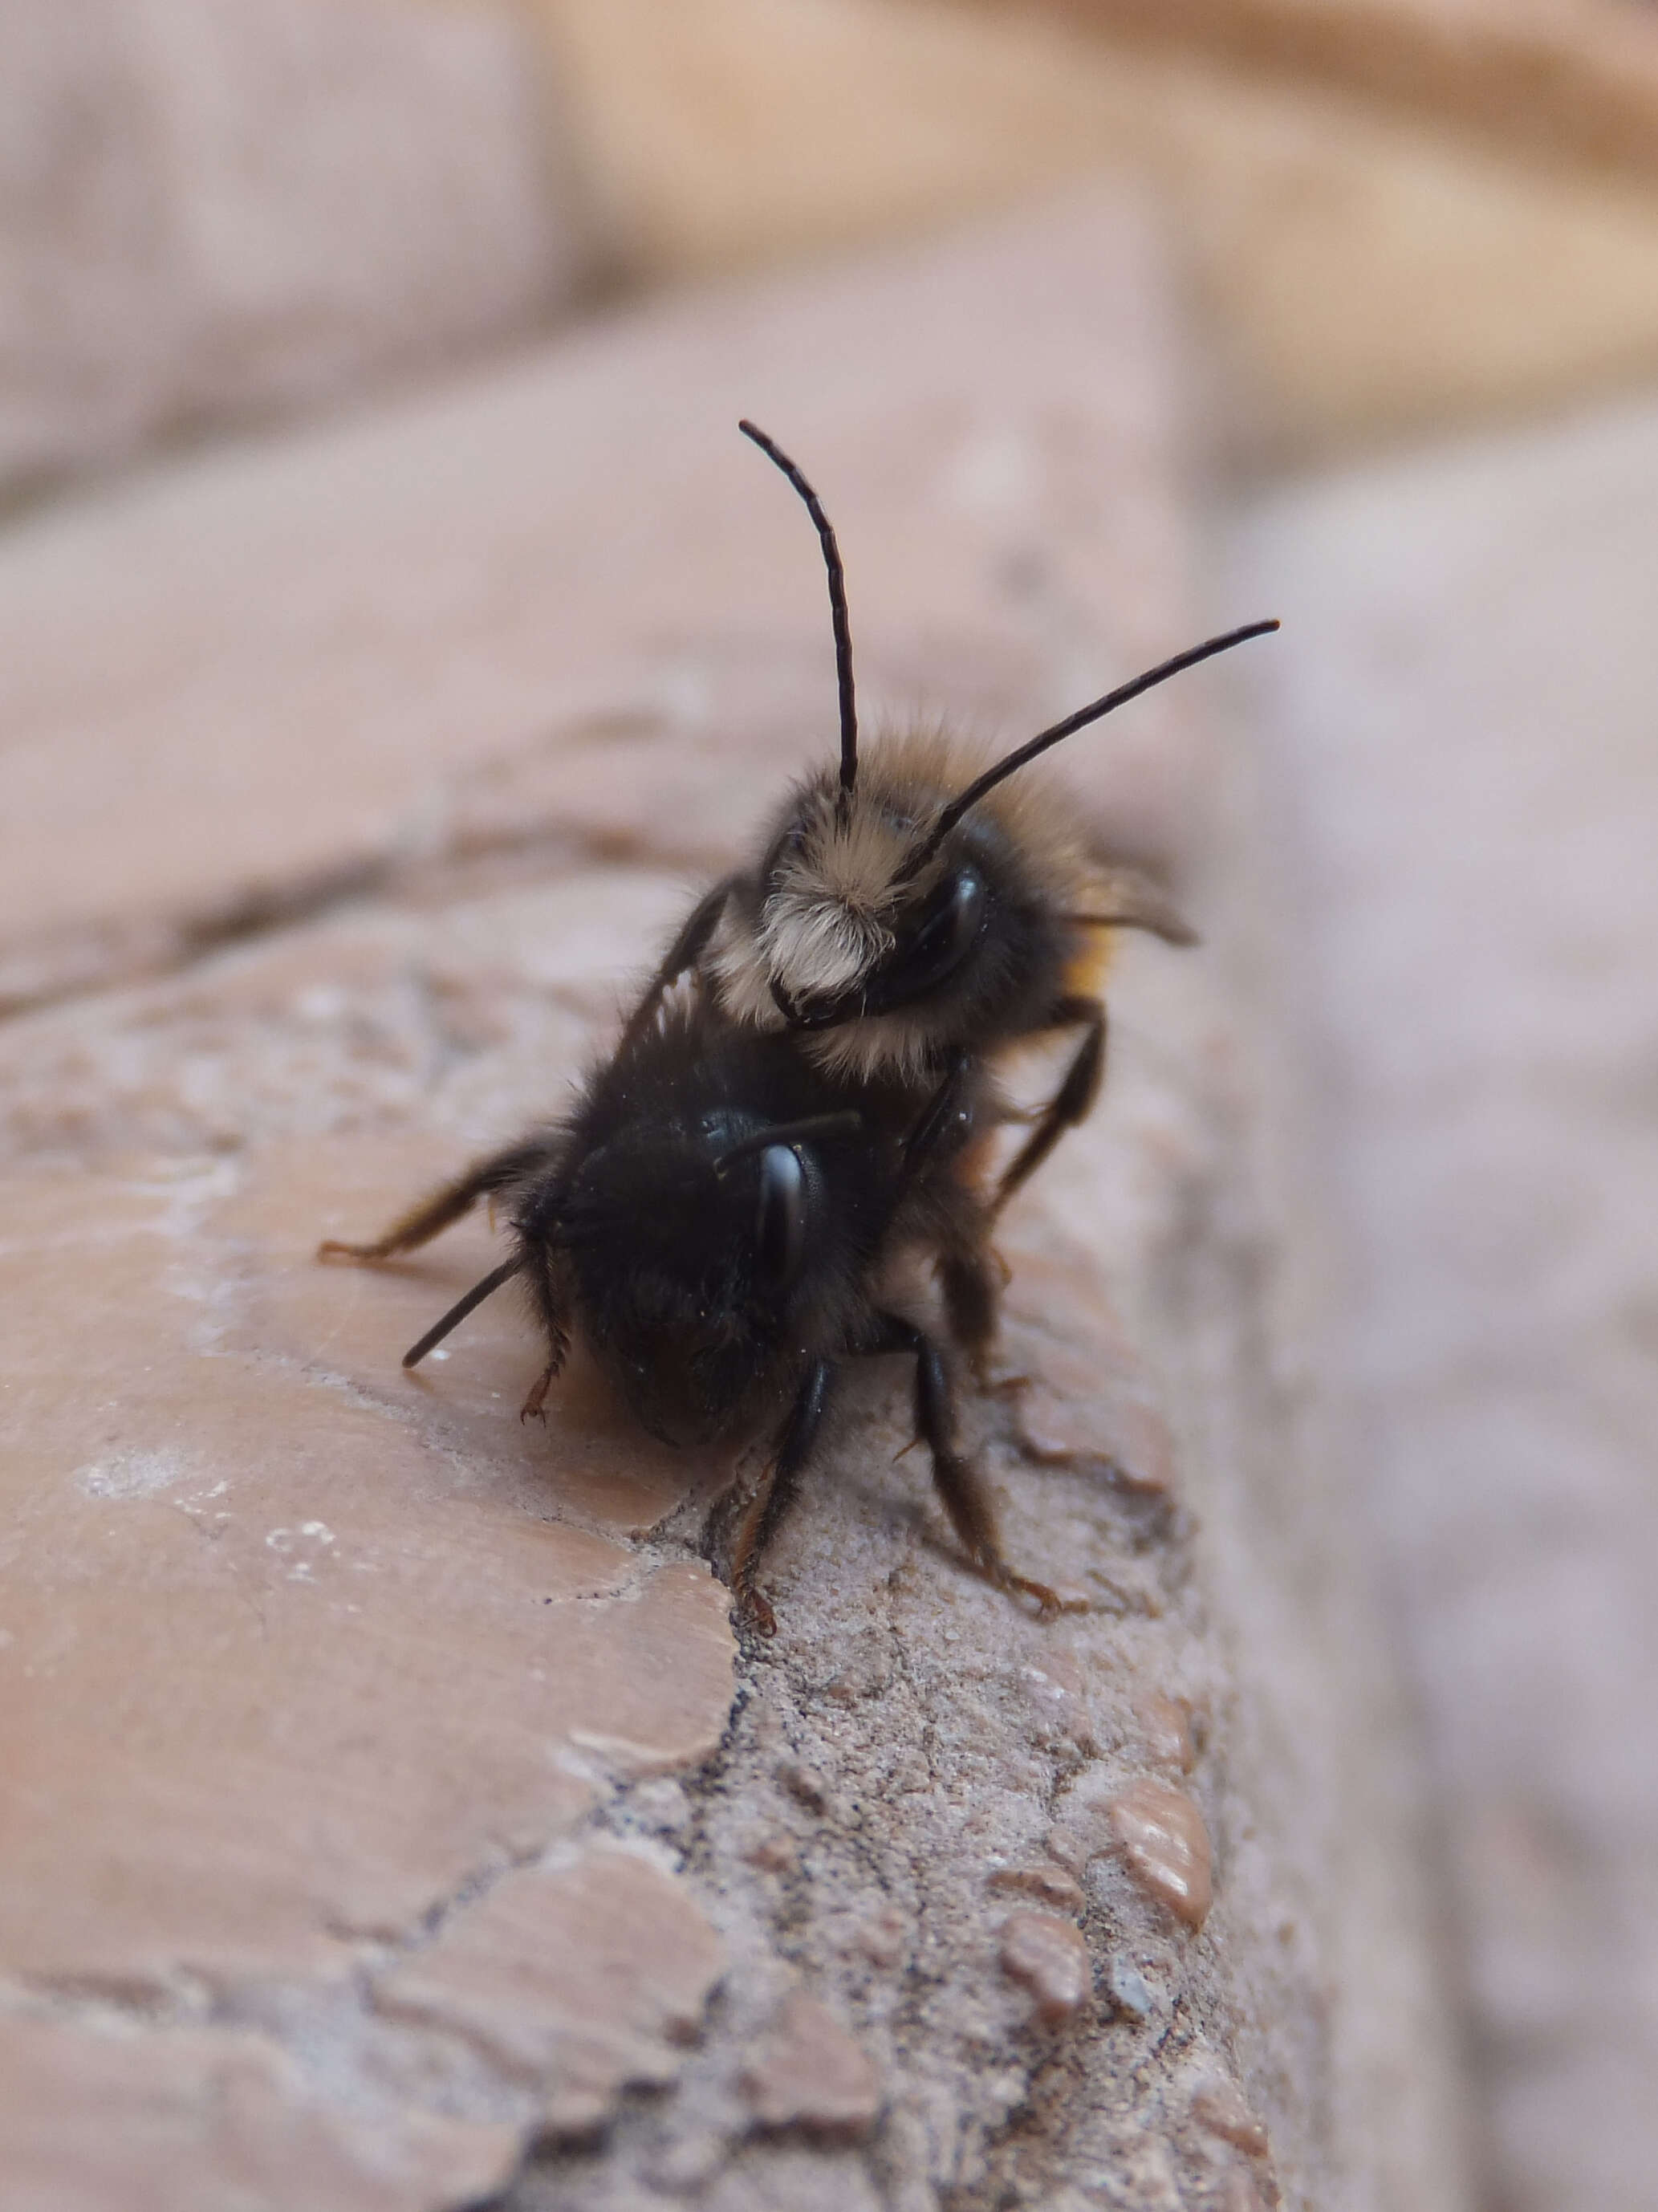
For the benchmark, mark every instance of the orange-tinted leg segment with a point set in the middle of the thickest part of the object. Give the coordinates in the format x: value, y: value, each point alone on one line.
x: 435, y: 1214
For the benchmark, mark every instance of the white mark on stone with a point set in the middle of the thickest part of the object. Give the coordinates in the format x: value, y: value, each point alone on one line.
x: 1130, y: 1991
x: 310, y: 1540
x: 136, y: 1473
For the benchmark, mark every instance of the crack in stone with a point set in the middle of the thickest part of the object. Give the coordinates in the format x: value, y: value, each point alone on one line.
x: 173, y: 947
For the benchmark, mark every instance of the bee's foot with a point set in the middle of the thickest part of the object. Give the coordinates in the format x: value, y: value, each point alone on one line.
x: 332, y: 1249
x: 1049, y: 1603
x: 753, y: 1611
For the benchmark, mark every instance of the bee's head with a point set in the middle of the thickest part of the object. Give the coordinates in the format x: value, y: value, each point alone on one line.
x: 857, y: 917
x: 872, y: 903
x: 693, y: 1250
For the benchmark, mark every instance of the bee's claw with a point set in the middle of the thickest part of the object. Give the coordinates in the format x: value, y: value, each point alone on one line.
x: 1049, y: 1603
x: 754, y: 1612
x: 535, y: 1406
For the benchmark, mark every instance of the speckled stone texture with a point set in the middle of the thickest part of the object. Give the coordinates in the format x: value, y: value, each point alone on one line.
x: 1459, y: 777
x: 391, y: 1817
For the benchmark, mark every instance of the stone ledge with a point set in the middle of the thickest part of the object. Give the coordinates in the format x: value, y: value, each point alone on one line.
x: 359, y: 1725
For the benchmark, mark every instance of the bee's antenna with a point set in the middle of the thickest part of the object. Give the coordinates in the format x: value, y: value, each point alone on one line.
x: 848, y: 1123
x: 1084, y: 716
x: 457, y: 1313
x: 837, y: 590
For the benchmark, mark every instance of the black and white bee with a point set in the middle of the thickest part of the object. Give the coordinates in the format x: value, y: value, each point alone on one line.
x: 720, y: 1221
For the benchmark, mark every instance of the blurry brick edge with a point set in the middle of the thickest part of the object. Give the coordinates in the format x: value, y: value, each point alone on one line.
x: 213, y: 211
x: 1574, y: 81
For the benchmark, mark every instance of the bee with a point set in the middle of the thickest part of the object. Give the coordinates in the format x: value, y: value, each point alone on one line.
x: 914, y: 904
x: 718, y: 1218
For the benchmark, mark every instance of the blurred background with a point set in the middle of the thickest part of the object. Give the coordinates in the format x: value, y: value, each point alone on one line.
x: 1412, y: 251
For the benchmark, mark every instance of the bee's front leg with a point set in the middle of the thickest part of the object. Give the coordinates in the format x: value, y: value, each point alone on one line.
x: 775, y: 1493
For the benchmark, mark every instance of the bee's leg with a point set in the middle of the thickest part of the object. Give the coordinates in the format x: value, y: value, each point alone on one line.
x: 971, y: 1278
x: 946, y: 1119
x: 532, y: 1408
x: 423, y: 1222
x: 687, y: 949
x: 1071, y: 1104
x: 971, y: 1274
x: 551, y: 1308
x: 772, y: 1500
x: 961, y: 1488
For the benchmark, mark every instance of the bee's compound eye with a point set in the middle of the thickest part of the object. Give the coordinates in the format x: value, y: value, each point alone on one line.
x: 948, y: 936
x: 781, y: 1219
x: 948, y: 932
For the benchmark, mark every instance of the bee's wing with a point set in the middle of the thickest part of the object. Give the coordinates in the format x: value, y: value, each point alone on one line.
x: 1122, y: 898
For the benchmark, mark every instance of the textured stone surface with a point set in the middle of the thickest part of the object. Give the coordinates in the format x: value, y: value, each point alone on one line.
x: 588, y: 1976
x: 1164, y: 1839
x: 185, y: 2119
x: 1050, y: 1958
x: 216, y: 209
x: 323, y: 1769
x: 1459, y: 777
x: 806, y: 2071
x: 387, y: 1753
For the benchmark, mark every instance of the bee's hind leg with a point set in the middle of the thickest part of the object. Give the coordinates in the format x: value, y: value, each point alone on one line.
x: 551, y: 1309
x: 960, y: 1485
